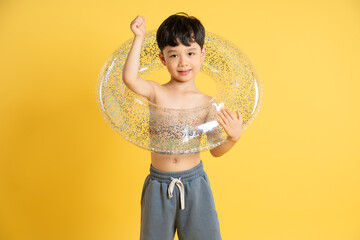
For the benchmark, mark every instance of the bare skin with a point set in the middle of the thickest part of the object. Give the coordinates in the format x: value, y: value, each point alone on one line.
x: 185, y: 95
x: 183, y: 63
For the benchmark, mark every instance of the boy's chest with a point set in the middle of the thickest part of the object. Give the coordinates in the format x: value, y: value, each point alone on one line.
x: 175, y: 123
x: 175, y: 117
x: 171, y: 100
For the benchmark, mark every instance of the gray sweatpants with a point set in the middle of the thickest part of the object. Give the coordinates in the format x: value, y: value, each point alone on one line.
x: 178, y: 200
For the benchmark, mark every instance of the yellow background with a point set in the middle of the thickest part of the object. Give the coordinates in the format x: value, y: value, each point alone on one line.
x: 65, y: 174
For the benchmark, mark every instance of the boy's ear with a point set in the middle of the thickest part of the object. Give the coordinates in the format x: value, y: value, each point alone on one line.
x: 203, y: 53
x: 162, y: 59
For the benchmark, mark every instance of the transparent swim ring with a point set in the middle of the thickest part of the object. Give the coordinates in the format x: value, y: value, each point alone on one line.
x: 178, y: 131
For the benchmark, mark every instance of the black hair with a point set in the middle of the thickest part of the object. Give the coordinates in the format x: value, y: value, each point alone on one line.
x: 180, y: 27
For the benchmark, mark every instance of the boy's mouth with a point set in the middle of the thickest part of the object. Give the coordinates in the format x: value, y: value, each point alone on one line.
x: 184, y: 72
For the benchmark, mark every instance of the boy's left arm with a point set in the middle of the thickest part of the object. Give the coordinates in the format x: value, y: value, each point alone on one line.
x: 232, y: 126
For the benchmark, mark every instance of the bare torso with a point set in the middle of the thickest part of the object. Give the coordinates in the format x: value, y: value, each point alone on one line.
x: 165, y: 97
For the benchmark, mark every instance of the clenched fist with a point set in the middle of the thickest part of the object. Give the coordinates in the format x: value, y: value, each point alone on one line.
x: 138, y: 26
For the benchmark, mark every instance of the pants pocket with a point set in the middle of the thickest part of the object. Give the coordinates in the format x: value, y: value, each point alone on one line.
x: 205, y: 176
x: 145, y: 187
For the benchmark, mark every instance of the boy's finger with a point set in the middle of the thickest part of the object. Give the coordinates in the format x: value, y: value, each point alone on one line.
x: 219, y: 114
x: 140, y: 19
x: 226, y: 119
x: 223, y: 117
x: 230, y: 113
x: 226, y: 113
x: 222, y: 124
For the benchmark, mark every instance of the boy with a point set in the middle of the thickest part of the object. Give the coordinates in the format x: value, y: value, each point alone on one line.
x: 180, y: 39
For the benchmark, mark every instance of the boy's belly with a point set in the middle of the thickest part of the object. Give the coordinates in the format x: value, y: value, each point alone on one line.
x: 174, y: 163
x: 176, y: 130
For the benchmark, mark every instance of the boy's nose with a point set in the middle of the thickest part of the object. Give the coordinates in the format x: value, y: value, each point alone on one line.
x: 182, y: 62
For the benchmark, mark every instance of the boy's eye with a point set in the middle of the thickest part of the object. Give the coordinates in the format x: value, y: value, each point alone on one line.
x: 191, y: 53
x: 174, y: 55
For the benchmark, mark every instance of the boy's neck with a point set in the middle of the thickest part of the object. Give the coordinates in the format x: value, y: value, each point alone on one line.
x: 182, y: 86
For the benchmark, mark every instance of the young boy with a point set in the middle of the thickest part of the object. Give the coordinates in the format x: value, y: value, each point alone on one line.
x: 180, y: 39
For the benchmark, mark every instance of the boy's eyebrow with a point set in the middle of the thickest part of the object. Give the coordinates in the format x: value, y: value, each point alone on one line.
x: 190, y: 49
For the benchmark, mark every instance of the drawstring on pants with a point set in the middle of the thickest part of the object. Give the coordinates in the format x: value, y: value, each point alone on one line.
x: 180, y: 185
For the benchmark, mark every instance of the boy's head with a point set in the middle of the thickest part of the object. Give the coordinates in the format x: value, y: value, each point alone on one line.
x: 181, y: 39
x: 180, y: 28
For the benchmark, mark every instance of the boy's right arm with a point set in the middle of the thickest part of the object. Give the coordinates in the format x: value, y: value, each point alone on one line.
x: 131, y: 68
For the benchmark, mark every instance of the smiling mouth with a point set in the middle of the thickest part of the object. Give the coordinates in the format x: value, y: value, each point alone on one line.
x: 184, y: 72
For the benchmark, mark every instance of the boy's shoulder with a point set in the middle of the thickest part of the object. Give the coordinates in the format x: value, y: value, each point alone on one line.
x: 166, y: 97
x: 153, y: 83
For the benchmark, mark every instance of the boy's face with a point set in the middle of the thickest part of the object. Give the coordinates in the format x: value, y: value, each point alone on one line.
x: 183, y: 62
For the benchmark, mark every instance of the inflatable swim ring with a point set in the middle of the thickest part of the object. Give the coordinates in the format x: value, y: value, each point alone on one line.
x: 178, y: 131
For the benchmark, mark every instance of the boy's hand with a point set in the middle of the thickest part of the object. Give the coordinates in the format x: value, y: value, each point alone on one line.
x: 231, y: 123
x: 138, y: 26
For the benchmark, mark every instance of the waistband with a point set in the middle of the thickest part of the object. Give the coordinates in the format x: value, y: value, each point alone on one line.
x: 185, y: 176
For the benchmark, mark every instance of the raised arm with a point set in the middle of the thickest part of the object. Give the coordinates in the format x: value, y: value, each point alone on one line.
x: 131, y: 68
